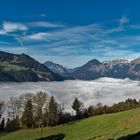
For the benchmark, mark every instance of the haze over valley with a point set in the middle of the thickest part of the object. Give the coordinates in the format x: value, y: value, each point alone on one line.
x: 95, y: 82
x: 104, y: 90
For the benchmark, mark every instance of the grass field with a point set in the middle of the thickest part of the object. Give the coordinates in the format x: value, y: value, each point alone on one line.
x: 102, y: 127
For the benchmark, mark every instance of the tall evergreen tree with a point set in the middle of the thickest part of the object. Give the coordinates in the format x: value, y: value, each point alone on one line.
x: 53, y: 112
x: 77, y: 106
x: 27, y: 117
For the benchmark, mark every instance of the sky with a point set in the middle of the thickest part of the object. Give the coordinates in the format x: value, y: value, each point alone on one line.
x: 71, y: 32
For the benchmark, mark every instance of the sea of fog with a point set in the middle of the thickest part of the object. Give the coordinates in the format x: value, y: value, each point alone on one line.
x: 103, y: 90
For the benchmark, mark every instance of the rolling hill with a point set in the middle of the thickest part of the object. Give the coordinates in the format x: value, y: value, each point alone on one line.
x: 117, y: 126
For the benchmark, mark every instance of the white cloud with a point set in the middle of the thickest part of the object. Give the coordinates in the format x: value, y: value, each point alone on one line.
x: 104, y: 90
x: 124, y: 20
x: 78, y: 33
x: 85, y: 40
x: 115, y: 30
x: 5, y: 43
x: 92, y: 40
x: 8, y: 27
x: 11, y: 27
x: 36, y: 36
x: 45, y: 24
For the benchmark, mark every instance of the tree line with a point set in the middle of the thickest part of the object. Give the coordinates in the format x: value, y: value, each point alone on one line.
x: 40, y: 110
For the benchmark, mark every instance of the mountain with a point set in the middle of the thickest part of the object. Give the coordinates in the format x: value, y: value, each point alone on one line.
x: 89, y: 71
x: 134, y: 71
x: 59, y: 69
x: 56, y: 68
x: 119, y: 68
x: 21, y: 67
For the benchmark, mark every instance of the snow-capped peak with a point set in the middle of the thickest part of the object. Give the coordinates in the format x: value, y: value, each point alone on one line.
x: 118, y: 61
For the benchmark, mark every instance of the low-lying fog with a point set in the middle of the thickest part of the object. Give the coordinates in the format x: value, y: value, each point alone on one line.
x: 104, y: 90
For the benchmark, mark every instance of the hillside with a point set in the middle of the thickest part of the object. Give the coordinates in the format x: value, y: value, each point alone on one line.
x: 104, y: 127
x: 21, y: 67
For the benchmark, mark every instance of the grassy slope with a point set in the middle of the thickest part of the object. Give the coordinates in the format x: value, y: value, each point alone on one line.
x: 101, y: 127
x: 11, y: 67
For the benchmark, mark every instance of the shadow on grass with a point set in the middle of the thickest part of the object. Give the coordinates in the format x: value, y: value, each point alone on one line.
x: 4, y: 133
x: 53, y: 137
x: 135, y: 136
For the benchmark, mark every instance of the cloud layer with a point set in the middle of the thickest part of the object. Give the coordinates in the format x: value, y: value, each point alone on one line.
x: 104, y: 90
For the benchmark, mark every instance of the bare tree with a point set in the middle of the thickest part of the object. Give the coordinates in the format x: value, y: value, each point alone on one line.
x: 14, y: 108
x: 39, y: 101
x: 24, y: 98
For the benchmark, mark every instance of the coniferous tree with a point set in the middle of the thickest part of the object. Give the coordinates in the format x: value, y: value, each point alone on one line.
x: 52, y: 112
x: 27, y: 116
x: 77, y: 106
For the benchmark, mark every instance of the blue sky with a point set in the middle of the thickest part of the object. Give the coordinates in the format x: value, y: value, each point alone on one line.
x: 71, y: 32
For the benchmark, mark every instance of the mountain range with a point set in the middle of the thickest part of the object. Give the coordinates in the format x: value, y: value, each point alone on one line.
x: 118, y: 68
x: 23, y: 68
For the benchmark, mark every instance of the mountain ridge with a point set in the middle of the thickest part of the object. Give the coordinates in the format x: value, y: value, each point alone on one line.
x: 59, y: 69
x: 22, y: 68
x: 117, y: 68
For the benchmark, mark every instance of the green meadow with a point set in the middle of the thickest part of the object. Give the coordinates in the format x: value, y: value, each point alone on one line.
x: 101, y: 127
